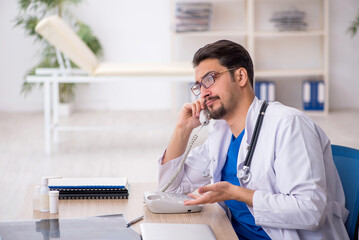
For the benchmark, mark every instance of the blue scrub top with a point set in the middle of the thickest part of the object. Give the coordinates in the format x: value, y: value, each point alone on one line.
x: 242, y: 219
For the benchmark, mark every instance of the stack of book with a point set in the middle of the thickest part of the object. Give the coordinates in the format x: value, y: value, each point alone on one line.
x: 313, y: 95
x: 193, y: 16
x: 265, y: 90
x: 289, y: 20
x: 90, y: 188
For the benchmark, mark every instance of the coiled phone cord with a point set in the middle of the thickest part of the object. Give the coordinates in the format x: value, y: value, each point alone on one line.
x: 181, y: 165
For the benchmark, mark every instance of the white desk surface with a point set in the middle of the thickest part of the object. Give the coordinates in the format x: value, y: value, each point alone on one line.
x: 211, y: 214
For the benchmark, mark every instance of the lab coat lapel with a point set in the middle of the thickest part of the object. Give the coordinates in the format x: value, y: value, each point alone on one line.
x: 218, y: 147
x: 251, y: 119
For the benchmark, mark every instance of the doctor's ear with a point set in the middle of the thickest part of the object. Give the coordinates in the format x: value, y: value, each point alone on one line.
x: 241, y: 76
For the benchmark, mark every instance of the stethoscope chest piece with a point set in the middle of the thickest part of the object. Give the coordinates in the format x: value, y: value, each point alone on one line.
x: 244, y: 174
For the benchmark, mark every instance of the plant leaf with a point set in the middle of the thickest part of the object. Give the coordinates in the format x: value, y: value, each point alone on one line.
x: 354, y: 26
x: 86, y: 34
x: 24, y: 4
x: 31, y: 11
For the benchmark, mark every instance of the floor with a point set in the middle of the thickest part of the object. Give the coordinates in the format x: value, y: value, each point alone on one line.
x: 130, y: 151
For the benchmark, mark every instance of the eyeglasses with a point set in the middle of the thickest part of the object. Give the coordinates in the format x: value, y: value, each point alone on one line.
x: 207, y: 81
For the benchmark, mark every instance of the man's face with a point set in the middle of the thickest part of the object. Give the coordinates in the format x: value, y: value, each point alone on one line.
x: 222, y: 97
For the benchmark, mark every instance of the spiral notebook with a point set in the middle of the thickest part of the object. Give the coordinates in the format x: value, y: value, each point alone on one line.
x: 90, y: 188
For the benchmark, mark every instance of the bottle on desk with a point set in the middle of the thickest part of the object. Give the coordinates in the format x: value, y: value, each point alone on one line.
x: 44, y: 194
x: 54, y: 201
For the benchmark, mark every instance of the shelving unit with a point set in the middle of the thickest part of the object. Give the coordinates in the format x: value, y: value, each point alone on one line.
x: 288, y: 58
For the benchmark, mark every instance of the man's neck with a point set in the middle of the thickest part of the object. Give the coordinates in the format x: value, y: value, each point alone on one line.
x: 237, y: 120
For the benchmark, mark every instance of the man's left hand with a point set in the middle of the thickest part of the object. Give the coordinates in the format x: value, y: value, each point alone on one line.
x: 219, y: 192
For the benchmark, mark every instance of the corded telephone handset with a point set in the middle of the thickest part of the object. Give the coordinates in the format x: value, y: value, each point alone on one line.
x: 162, y: 202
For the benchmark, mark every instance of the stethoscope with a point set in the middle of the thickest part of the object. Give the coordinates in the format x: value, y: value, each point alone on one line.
x: 244, y: 173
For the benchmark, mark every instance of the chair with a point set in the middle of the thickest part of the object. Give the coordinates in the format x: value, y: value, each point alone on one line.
x: 58, y: 33
x: 347, y: 163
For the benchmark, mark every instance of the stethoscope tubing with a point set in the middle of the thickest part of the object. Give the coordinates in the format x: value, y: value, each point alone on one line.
x: 257, y: 128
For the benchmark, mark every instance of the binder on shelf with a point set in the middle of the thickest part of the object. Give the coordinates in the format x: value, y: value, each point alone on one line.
x: 90, y: 188
x: 313, y: 95
x: 265, y: 90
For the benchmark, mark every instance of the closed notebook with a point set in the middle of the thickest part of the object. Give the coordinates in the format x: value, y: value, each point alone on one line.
x: 165, y: 231
x: 90, y: 188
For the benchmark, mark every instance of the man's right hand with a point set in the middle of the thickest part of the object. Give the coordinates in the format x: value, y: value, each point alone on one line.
x: 188, y: 119
x: 189, y: 115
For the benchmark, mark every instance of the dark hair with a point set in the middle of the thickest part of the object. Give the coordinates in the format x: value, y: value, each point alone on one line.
x: 228, y: 53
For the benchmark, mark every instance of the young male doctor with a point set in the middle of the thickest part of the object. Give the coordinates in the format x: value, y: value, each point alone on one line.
x: 294, y: 191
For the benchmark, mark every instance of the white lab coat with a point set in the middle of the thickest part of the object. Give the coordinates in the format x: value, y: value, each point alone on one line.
x: 298, y: 193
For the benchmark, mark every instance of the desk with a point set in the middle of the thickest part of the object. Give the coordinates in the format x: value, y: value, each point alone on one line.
x: 211, y: 214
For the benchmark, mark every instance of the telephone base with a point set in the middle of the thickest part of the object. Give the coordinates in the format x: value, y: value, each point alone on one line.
x: 160, y: 202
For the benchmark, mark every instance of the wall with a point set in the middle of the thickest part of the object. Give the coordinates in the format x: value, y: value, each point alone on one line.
x: 130, y: 31
x: 344, y: 56
x: 17, y: 55
x: 139, y: 31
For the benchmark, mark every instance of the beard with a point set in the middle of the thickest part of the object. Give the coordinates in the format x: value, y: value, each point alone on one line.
x: 227, y: 105
x: 218, y: 113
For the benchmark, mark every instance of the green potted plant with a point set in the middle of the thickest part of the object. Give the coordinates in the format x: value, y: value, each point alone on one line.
x: 353, y: 28
x: 30, y: 13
